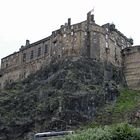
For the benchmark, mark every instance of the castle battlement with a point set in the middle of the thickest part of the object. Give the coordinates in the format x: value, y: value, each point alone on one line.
x: 84, y: 39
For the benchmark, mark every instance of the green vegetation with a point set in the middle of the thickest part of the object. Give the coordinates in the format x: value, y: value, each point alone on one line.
x: 122, y: 131
x: 127, y: 101
x: 124, y: 108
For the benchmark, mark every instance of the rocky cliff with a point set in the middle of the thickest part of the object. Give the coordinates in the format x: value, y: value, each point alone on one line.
x: 62, y: 96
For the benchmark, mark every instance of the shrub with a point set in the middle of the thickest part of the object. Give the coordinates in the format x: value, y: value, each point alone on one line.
x: 122, y: 131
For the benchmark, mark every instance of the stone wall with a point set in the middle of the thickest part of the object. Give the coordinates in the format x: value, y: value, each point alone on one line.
x: 85, y: 39
x: 112, y: 42
x: 131, y: 57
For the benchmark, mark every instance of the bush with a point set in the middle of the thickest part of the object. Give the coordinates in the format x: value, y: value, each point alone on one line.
x: 117, y: 132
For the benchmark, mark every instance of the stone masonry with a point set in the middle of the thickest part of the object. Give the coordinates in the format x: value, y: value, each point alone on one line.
x: 131, y: 64
x: 85, y: 39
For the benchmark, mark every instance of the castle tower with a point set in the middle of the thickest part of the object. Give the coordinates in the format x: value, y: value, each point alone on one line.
x: 131, y: 66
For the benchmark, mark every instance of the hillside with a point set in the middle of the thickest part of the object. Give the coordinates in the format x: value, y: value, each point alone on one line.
x: 65, y: 95
x: 125, y: 109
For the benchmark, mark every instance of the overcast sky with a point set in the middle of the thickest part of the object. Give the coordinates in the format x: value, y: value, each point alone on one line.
x: 36, y: 19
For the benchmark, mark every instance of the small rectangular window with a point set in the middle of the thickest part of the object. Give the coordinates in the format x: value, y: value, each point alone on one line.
x: 46, y: 48
x: 128, y: 45
x: 72, y: 33
x: 107, y: 46
x: 39, y: 51
x: 122, y: 41
x: 107, y: 29
x: 115, y: 43
x: 106, y: 36
x: 75, y: 34
x: 55, y: 43
x: 32, y: 54
x: 7, y: 65
x: 24, y: 57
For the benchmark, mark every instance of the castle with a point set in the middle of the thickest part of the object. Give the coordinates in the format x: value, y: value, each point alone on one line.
x: 85, y: 39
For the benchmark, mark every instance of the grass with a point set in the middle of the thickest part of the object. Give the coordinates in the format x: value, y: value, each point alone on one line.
x: 127, y: 101
x: 123, y: 109
x: 121, y: 131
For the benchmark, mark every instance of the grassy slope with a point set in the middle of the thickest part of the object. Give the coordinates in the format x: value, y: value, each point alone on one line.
x: 125, y: 109
x: 127, y: 101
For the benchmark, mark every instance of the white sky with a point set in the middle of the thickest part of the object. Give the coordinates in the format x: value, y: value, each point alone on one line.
x: 36, y: 19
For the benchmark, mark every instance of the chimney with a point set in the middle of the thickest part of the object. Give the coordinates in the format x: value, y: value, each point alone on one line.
x: 69, y: 21
x: 89, y: 17
x: 92, y: 18
x: 27, y: 42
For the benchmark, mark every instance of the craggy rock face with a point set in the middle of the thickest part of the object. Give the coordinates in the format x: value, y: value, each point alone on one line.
x: 65, y: 95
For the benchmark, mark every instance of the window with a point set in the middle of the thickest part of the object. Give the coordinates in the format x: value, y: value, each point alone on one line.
x: 106, y: 36
x: 46, y: 48
x: 107, y: 45
x: 6, y: 64
x: 72, y: 33
x: 24, y: 57
x: 64, y: 35
x: 39, y: 51
x: 128, y: 45
x: 55, y: 43
x: 32, y: 54
x: 122, y: 47
x: 115, y: 43
x: 122, y: 41
x: 106, y: 29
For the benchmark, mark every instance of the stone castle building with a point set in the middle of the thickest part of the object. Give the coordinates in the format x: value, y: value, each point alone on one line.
x: 85, y: 39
